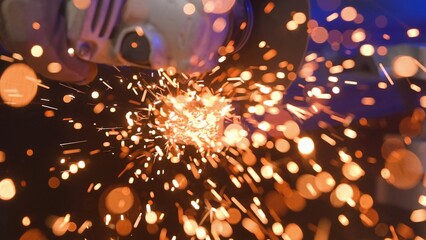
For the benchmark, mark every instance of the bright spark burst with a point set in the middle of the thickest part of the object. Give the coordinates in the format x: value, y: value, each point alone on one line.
x: 193, y: 119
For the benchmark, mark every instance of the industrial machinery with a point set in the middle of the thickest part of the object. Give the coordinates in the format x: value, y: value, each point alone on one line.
x: 188, y: 36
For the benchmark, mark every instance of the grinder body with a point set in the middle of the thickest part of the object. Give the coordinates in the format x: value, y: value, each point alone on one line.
x: 184, y: 34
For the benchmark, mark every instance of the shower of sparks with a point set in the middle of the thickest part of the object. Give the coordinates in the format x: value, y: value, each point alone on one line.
x: 231, y: 156
x: 193, y: 119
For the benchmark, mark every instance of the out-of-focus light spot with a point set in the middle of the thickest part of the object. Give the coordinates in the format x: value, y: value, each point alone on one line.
x: 381, y: 21
x: 189, y: 9
x: 404, y: 66
x: 2, y: 157
x: 292, y: 25
x: 280, y: 75
x: 262, y: 44
x: 306, y: 187
x: 246, y: 75
x: 319, y: 35
x: 335, y: 90
x: 218, y: 6
x: 405, y: 169
x: 81, y: 164
x: 291, y: 129
x: 270, y: 54
x: 422, y: 200
x: 54, y: 67
x: 336, y: 69
x: 53, y: 182
x: 151, y: 217
x: 277, y: 228
x: 325, y: 182
x: 98, y: 108
x: 382, y: 85
x: 368, y: 101
x: 65, y: 175
x: 350, y: 133
x: 344, y: 192
x: 348, y: 64
x: 282, y: 145
x: 369, y: 218
x: 171, y: 70
x: 190, y: 226
x: 36, y: 25
x: 67, y: 98
x: 299, y: 18
x: 95, y: 94
x: 418, y: 216
x: 119, y: 200
x: 277, y: 96
x: 219, y: 25
x: 60, y: 226
x: 382, y: 51
x: 348, y: 14
x: 29, y: 152
x: 366, y: 201
x: 269, y: 7
x: 201, y: 232
x: 73, y: 168
x: 343, y: 220
x: 292, y: 167
x: 305, y: 145
x: 71, y: 51
x: 82, y: 4
x: 259, y: 138
x: 267, y: 171
x: 26, y: 221
x: 423, y: 101
x: 7, y: 189
x: 180, y: 181
x: 413, y: 32
x: 33, y: 234
x: 367, y: 50
x: 385, y: 173
x: 18, y: 85
x: 293, y: 231
x: 352, y: 171
x: 78, y: 126
x: 36, y: 51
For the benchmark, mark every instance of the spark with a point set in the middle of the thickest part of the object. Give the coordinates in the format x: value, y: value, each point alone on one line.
x: 72, y: 143
x: 386, y: 74
x: 74, y: 89
x: 49, y: 107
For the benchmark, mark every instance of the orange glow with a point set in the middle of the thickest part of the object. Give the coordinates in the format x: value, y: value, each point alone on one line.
x: 367, y: 50
x: 119, y: 200
x: 349, y: 14
x: 124, y: 227
x: 319, y: 35
x: 305, y: 145
x: 82, y: 4
x: 54, y: 67
x: 37, y: 51
x: 343, y: 220
x: 344, y: 192
x: 404, y: 66
x: 7, y: 189
x: 413, y: 32
x: 18, y: 85
x: 189, y: 9
x: 2, y: 156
